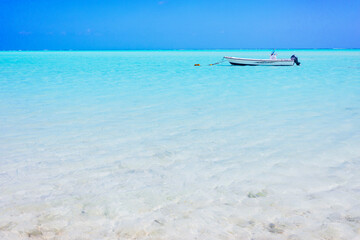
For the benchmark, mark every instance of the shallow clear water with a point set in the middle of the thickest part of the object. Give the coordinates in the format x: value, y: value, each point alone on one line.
x: 143, y: 145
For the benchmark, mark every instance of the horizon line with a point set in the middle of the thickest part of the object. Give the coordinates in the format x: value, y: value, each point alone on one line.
x: 170, y: 49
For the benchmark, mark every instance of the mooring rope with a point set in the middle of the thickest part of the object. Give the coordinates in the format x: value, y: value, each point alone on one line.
x: 222, y: 60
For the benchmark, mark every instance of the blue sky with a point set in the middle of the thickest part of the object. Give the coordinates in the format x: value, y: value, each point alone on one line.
x: 171, y: 24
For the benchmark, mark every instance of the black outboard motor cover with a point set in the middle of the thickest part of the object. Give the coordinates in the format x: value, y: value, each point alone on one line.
x: 295, y: 59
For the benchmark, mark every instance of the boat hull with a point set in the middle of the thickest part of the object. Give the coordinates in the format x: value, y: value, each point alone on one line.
x: 259, y: 62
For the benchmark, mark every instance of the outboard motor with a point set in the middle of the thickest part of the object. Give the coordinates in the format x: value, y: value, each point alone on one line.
x: 295, y: 59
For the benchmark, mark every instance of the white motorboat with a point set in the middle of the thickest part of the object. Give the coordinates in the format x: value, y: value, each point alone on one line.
x: 263, y: 62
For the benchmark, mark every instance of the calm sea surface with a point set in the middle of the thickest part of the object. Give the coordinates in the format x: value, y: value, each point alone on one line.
x: 143, y: 145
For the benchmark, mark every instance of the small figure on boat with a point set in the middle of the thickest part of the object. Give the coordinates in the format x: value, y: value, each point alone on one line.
x: 273, y: 55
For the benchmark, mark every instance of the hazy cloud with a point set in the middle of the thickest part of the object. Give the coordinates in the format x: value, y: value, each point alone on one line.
x: 24, y: 33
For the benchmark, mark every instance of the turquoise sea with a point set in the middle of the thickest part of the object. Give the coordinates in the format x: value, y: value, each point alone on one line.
x: 143, y: 145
